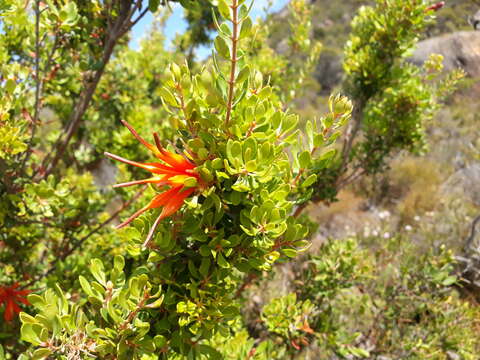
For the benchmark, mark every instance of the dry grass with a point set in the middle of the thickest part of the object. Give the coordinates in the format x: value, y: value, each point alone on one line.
x: 414, y: 186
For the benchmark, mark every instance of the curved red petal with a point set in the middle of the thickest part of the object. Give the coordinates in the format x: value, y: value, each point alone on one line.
x: 148, y: 166
x: 175, y: 160
x: 139, y: 182
x: 23, y: 300
x: 152, y: 230
x: 175, y: 203
x: 163, y: 198
x: 133, y: 217
x: 8, y: 314
x: 139, y: 138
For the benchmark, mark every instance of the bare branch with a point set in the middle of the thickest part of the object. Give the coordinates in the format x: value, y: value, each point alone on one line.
x: 473, y: 231
x: 354, y: 127
x: 120, y: 26
x: 38, y: 84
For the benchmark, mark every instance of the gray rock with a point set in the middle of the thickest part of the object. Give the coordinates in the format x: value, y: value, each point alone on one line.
x: 475, y: 20
x: 466, y: 182
x: 104, y: 174
x: 460, y: 50
x: 329, y: 71
x: 453, y: 356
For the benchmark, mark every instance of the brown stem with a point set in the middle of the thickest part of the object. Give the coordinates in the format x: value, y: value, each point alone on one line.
x: 37, y: 84
x: 471, y: 237
x: 233, y: 60
x: 134, y: 313
x: 299, y: 209
x: 121, y: 25
x: 355, y: 124
x: 184, y: 109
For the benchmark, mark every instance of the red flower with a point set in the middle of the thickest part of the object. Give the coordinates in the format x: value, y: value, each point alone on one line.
x: 172, y: 173
x: 436, y: 7
x: 10, y: 297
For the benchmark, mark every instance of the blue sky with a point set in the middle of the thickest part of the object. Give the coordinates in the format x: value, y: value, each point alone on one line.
x: 177, y: 24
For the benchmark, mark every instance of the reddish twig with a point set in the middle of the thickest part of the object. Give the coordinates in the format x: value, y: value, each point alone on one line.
x: 233, y: 60
x: 118, y: 28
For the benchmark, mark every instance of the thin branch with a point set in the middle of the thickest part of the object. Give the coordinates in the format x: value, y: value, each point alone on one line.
x: 38, y: 84
x: 471, y: 237
x: 299, y: 209
x: 134, y: 22
x: 121, y: 25
x: 233, y: 60
x: 356, y: 122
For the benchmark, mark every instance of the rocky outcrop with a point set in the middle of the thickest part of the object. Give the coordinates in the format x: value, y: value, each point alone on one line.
x: 329, y: 71
x: 459, y: 49
x: 475, y: 20
x: 466, y: 183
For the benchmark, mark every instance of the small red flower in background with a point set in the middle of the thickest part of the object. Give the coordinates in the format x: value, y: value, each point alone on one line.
x: 10, y: 297
x: 173, y: 173
x: 436, y: 7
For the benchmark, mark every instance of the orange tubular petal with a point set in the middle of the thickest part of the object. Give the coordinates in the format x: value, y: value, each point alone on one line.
x: 152, y: 167
x: 139, y: 138
x: 152, y: 230
x: 133, y: 217
x: 139, y: 182
x: 163, y: 198
x: 174, y: 160
x: 23, y: 300
x: 175, y: 203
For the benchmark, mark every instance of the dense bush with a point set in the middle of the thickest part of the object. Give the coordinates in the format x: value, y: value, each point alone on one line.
x: 234, y: 169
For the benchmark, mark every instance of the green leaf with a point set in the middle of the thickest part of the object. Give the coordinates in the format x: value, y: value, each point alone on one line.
x: 222, y: 47
x: 305, y: 159
x: 190, y: 182
x: 210, y: 351
x: 222, y: 262
x: 153, y: 5
x: 168, y: 97
x: 224, y: 9
x: 96, y: 268
x: 291, y: 253
x: 243, y: 74
x: 246, y: 28
x: 41, y: 354
x: 204, y: 266
x: 157, y: 303
x: 25, y: 318
x: 160, y: 341
x: 309, y: 181
x: 234, y: 152
x: 119, y: 262
x: 450, y: 280
x: 37, y: 301
x: 31, y: 333
x: 10, y: 86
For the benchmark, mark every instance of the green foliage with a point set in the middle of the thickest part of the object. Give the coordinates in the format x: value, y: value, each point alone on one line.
x: 362, y: 298
x: 393, y: 99
x: 64, y: 329
x: 239, y: 221
x: 68, y: 78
